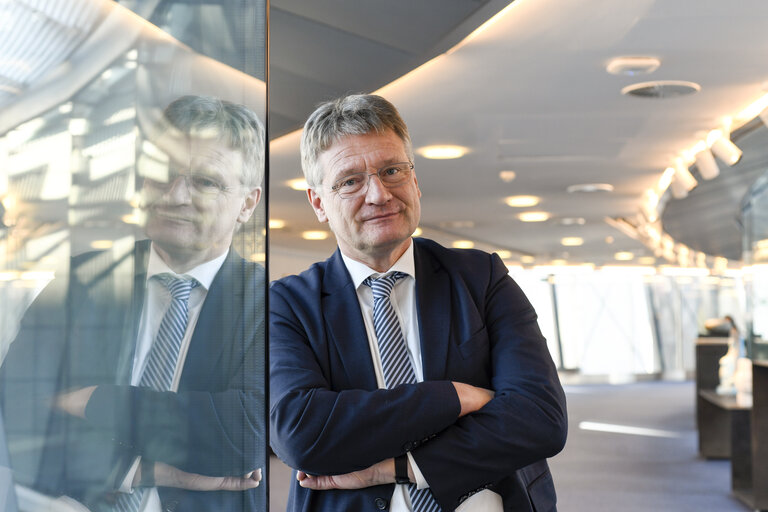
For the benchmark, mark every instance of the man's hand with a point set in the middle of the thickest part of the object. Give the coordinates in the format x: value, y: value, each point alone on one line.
x: 380, y: 473
x: 471, y: 397
x: 169, y: 476
x: 74, y: 402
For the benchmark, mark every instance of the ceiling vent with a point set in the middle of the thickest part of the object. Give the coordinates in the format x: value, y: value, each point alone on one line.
x: 661, y: 89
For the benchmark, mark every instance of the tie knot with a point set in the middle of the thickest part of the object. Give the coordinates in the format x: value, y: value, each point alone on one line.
x: 180, y: 288
x: 382, y: 286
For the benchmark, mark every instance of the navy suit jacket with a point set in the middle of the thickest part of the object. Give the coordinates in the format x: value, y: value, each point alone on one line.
x: 214, y: 425
x: 476, y: 326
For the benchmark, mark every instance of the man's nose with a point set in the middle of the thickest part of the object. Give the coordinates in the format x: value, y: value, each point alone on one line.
x: 177, y: 190
x: 377, y: 193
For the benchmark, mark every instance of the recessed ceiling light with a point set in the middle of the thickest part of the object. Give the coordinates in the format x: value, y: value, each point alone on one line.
x: 572, y: 241
x: 522, y: 201
x: 609, y: 239
x: 504, y: 254
x: 457, y: 224
x: 646, y: 260
x: 463, y: 244
x: 507, y: 176
x: 314, y: 235
x: 623, y: 256
x: 661, y: 89
x: 573, y: 221
x: 298, y: 184
x: 417, y: 232
x: 590, y: 187
x: 276, y: 223
x: 533, y: 216
x: 442, y: 152
x: 527, y: 259
x: 631, y: 66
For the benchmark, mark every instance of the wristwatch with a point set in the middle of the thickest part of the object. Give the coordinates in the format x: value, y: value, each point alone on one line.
x: 401, y: 469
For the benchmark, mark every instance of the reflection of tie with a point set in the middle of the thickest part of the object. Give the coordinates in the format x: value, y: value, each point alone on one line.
x: 395, y: 361
x: 161, y: 361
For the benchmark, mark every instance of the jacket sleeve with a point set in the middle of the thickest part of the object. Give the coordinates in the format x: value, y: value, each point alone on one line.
x: 525, y: 422
x: 216, y: 423
x: 321, y: 430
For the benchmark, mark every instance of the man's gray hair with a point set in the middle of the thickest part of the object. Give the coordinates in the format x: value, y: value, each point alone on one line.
x: 357, y: 114
x: 235, y: 125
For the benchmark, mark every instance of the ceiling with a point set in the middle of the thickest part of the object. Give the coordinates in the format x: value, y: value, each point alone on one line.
x: 530, y: 93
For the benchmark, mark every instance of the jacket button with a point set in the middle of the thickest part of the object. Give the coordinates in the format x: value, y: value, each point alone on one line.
x: 381, y: 503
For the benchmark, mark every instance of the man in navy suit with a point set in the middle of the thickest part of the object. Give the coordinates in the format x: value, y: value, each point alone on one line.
x: 481, y: 409
x: 83, y: 417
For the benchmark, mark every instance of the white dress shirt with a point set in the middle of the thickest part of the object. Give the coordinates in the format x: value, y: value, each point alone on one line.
x: 157, y: 300
x: 403, y: 301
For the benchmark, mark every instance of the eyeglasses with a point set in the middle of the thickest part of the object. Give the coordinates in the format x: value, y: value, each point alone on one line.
x: 201, y: 185
x: 391, y: 176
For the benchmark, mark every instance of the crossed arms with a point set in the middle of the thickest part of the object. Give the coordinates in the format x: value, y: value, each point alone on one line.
x: 322, y: 427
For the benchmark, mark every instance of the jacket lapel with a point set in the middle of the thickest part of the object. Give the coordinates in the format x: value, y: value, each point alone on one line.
x: 218, y: 320
x: 344, y: 323
x: 433, y: 295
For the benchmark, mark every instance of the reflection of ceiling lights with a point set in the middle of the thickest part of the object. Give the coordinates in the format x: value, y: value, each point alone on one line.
x: 276, y: 224
x: 78, y: 126
x: 590, y: 187
x: 521, y: 201
x: 533, y: 216
x: 102, y: 244
x: 572, y: 241
x: 463, y: 244
x: 297, y: 184
x: 314, y: 235
x: 442, y: 152
x: 631, y: 66
x: 623, y: 256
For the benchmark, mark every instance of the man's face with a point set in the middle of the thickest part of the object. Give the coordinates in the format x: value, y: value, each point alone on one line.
x: 378, y: 221
x: 193, y: 213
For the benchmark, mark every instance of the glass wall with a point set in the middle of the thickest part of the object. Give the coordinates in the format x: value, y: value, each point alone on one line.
x: 131, y: 250
x: 755, y: 221
x: 618, y: 323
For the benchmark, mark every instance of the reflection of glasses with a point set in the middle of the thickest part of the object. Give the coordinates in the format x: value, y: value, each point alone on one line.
x: 391, y: 176
x: 198, y: 184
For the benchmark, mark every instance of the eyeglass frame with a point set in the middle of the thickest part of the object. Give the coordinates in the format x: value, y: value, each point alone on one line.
x: 220, y: 188
x: 364, y: 188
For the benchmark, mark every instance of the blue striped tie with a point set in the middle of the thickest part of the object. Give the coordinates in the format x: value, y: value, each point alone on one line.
x: 395, y: 361
x: 161, y: 361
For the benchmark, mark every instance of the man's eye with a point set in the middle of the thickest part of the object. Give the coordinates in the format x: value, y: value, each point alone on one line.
x: 205, y: 182
x: 391, y: 171
x: 350, y: 181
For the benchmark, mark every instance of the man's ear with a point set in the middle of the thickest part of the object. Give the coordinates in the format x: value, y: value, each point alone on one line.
x: 317, y: 204
x: 249, y: 204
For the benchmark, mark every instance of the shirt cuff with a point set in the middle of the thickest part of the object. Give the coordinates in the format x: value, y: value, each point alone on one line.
x: 421, y: 482
x: 127, y: 484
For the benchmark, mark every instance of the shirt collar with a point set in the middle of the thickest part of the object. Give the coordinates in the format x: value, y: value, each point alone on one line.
x: 360, y: 271
x: 204, y: 273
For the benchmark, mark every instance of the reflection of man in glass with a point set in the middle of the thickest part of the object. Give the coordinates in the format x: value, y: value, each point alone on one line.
x: 138, y: 401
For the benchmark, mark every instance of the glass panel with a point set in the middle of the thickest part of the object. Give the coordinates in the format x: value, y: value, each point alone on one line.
x: 755, y: 220
x: 131, y: 146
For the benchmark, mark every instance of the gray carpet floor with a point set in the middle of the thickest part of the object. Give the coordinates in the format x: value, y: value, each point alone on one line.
x: 654, y: 470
